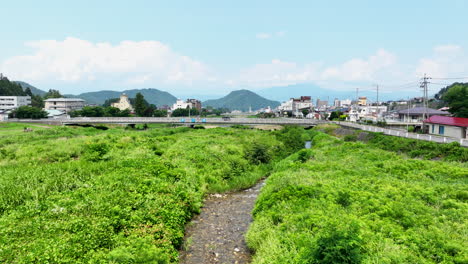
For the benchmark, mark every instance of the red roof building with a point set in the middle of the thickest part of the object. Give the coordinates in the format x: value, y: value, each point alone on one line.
x: 448, y: 120
x: 448, y: 126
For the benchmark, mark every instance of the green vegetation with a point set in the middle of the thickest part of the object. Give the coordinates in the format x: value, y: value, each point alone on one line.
x: 99, y: 111
x: 153, y: 96
x: 454, y: 96
x: 457, y: 99
x: 411, y: 147
x: 184, y: 112
x: 28, y: 112
x: 83, y: 195
x: 8, y: 88
x: 348, y: 202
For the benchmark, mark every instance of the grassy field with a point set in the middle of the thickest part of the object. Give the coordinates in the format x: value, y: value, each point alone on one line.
x: 83, y: 195
x: 350, y: 202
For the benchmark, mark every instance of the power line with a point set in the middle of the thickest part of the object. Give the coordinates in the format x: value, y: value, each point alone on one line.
x: 450, y: 78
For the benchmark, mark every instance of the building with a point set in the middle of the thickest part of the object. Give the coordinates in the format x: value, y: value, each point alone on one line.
x: 295, y: 106
x: 336, y: 102
x: 362, y: 100
x: 12, y: 102
x: 345, y: 103
x: 417, y: 114
x: 64, y: 104
x: 55, y: 113
x: 321, y: 105
x: 189, y: 103
x: 456, y: 127
x: 194, y: 104
x: 3, y: 116
x: 366, y: 112
x: 123, y: 103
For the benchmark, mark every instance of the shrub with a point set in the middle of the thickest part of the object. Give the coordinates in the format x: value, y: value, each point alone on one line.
x: 351, y: 137
x: 339, y: 245
x: 95, y: 151
x: 258, y: 153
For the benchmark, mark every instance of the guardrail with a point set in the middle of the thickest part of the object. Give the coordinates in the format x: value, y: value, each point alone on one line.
x: 172, y: 120
x: 399, y: 133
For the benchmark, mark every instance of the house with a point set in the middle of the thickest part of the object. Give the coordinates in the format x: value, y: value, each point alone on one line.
x: 64, y: 104
x: 188, y: 104
x: 417, y: 114
x: 366, y: 112
x: 13, y: 102
x: 456, y: 127
x: 123, y: 103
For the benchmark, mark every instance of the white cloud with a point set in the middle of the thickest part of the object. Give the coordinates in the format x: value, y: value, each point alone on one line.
x: 447, y: 60
x: 361, y: 69
x: 75, y: 60
x: 280, y: 33
x: 279, y: 73
x: 263, y: 35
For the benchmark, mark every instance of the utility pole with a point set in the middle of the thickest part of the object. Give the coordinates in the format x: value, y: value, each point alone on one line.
x: 423, y: 86
x: 377, y: 94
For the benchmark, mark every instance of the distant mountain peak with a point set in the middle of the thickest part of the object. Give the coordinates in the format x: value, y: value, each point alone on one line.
x: 241, y: 100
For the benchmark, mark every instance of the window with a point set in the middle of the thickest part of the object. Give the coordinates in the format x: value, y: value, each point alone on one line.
x: 432, y: 129
x: 441, y: 130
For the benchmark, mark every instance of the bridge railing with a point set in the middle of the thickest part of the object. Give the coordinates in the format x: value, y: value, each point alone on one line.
x: 171, y: 120
x: 398, y: 133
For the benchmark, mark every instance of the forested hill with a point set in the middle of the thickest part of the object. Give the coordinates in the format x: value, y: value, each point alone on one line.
x: 8, y: 88
x: 34, y: 90
x: 153, y: 96
x: 241, y: 100
x: 455, y: 97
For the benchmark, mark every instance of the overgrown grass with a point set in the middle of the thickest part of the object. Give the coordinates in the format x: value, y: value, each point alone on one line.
x: 82, y: 195
x: 348, y: 202
x: 410, y: 147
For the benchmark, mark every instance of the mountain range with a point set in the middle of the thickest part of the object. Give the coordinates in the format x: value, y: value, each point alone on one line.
x: 34, y: 90
x: 153, y: 96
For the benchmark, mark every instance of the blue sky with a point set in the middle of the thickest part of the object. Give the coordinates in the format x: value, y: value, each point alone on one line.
x: 215, y: 46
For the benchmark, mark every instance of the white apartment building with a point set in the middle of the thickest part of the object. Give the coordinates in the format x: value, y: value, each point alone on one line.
x: 181, y: 104
x: 13, y: 102
x: 346, y: 102
x: 64, y: 104
x: 366, y: 112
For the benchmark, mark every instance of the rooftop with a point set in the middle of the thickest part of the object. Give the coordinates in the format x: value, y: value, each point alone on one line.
x: 422, y: 110
x: 448, y: 120
x: 64, y: 100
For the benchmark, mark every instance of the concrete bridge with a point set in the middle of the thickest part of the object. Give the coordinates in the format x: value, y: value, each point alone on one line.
x: 173, y: 120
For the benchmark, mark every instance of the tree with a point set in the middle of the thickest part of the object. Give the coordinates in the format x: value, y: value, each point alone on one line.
x: 28, y: 91
x: 28, y: 112
x: 140, y: 106
x: 335, y: 115
x: 92, y: 111
x: 457, y: 99
x: 53, y: 94
x: 160, y: 113
x: 37, y: 101
x: 8, y: 88
x: 185, y: 112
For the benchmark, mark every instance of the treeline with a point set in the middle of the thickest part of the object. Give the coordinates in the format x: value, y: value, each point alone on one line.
x: 455, y: 97
x: 8, y: 88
